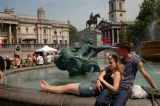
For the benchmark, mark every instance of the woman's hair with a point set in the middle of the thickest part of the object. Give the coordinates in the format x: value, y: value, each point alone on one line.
x: 119, y: 67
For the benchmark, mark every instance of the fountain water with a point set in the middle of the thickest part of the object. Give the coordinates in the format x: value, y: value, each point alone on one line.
x: 150, y: 49
x: 151, y: 29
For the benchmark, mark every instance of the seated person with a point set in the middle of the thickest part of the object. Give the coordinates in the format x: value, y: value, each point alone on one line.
x: 2, y: 67
x: 109, y: 78
x: 40, y: 60
x: 29, y: 61
x: 16, y: 62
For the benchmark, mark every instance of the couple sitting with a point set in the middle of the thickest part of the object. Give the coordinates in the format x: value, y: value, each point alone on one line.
x: 112, y: 85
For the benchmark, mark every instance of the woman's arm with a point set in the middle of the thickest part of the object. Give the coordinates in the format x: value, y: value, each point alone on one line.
x: 116, y: 82
x: 99, y: 86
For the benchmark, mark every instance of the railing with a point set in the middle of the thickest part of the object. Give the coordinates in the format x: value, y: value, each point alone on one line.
x: 4, y: 33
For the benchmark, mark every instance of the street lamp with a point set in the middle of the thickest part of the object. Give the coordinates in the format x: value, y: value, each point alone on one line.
x: 55, y: 32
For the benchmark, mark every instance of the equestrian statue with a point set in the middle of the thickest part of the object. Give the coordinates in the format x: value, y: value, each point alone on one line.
x: 76, y: 60
x: 92, y: 20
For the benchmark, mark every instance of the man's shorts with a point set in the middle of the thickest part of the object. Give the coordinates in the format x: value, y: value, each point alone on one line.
x: 87, y: 89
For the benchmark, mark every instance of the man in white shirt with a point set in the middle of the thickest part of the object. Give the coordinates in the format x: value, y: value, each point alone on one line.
x: 48, y: 58
x: 40, y: 60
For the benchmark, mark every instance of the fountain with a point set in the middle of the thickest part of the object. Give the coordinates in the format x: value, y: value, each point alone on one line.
x: 150, y: 49
x: 21, y: 86
x: 77, y: 60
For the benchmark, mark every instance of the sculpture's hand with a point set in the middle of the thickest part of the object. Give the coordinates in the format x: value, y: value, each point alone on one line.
x: 99, y: 86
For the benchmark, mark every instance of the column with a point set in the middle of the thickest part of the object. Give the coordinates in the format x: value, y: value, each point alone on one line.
x: 41, y: 35
x: 17, y: 35
x: 51, y: 35
x: 112, y: 37
x: 10, y: 34
x: 117, y: 36
x: 48, y: 35
x: 38, y: 35
x: 105, y: 35
x: 109, y: 36
x: 62, y: 37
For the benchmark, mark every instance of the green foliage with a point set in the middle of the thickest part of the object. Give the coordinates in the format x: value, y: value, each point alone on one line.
x: 157, y: 9
x: 122, y: 34
x: 73, y: 34
x: 149, y: 12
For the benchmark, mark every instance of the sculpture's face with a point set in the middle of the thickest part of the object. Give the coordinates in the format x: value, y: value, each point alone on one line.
x: 112, y: 64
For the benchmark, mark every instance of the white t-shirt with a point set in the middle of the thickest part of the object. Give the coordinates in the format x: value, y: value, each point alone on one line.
x: 48, y: 58
x: 40, y: 60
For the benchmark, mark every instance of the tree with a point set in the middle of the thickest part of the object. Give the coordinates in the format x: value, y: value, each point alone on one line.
x: 146, y: 16
x: 73, y: 34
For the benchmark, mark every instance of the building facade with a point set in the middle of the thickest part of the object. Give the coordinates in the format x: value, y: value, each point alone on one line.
x: 117, y: 20
x: 25, y: 29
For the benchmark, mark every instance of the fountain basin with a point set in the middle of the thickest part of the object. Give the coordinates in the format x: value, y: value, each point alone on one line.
x: 11, y: 95
x: 16, y: 96
x: 150, y: 51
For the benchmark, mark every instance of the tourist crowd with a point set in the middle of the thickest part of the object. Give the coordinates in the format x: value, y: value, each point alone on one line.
x: 29, y: 61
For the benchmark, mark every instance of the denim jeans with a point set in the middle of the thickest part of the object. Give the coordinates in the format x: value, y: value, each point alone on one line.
x: 106, y: 97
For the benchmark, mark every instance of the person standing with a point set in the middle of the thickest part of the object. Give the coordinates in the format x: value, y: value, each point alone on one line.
x: 132, y: 64
x: 2, y: 67
x: 40, y: 60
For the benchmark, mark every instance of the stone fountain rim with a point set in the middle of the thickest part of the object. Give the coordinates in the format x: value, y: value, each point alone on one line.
x: 37, y: 97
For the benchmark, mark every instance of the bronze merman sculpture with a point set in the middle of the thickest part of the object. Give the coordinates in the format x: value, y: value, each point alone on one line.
x: 77, y: 60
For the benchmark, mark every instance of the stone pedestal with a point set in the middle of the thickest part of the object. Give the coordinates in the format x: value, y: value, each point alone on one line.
x: 94, y: 34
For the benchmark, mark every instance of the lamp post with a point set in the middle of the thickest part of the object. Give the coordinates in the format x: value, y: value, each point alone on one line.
x: 55, y: 32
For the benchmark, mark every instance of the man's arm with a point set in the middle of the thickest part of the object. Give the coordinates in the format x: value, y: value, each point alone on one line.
x: 146, y: 75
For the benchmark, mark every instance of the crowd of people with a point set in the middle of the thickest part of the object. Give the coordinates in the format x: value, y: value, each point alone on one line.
x: 29, y: 61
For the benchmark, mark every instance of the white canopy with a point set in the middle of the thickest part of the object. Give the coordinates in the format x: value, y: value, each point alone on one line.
x: 46, y: 48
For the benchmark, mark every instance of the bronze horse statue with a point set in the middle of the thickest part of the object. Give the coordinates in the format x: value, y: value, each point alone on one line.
x: 92, y: 21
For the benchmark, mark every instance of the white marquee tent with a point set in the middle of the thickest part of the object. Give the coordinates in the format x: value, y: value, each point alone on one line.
x: 46, y: 48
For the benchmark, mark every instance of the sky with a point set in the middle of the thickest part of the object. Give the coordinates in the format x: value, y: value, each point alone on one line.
x: 76, y: 11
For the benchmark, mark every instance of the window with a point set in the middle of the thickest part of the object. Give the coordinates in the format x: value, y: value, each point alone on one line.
x: 55, y: 42
x: 45, y: 40
x: 112, y: 16
x: 120, y: 6
x: 27, y: 30
x: 121, y: 15
x: 19, y: 29
x: 60, y: 41
x: 112, y: 7
x: 34, y: 29
x: 45, y: 31
x: 65, y: 41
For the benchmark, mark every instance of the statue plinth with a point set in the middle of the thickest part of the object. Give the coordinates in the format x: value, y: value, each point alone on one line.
x: 93, y: 34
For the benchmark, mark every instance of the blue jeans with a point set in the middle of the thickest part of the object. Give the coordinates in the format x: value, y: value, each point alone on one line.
x: 106, y: 97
